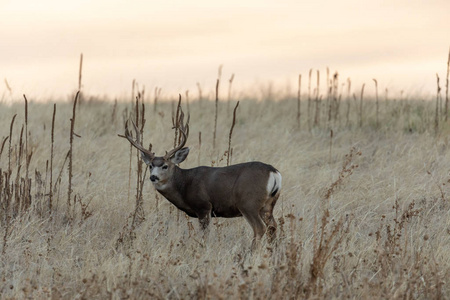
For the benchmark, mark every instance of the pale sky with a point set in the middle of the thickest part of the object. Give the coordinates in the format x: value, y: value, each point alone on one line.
x: 175, y: 44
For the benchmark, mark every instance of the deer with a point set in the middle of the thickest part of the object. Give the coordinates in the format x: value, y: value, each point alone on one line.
x: 249, y: 189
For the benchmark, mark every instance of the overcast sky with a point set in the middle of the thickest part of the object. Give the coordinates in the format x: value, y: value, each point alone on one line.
x: 175, y: 44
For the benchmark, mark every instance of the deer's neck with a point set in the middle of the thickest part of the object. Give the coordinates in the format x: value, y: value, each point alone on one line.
x: 175, y: 191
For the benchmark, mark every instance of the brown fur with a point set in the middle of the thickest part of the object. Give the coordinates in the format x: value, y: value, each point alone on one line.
x: 233, y: 191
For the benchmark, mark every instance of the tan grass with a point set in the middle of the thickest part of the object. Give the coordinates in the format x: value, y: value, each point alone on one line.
x: 378, y: 230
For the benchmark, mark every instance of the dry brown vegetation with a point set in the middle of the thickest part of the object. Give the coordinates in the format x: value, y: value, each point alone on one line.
x: 364, y: 209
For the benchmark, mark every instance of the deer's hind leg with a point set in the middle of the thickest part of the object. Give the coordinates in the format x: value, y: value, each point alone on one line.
x: 257, y: 224
x: 266, y: 214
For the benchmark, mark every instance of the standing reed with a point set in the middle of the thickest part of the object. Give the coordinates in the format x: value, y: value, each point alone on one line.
x: 299, y: 92
x: 215, y: 114
x: 436, y: 116
x: 336, y: 96
x: 376, y: 99
x: 231, y: 133
x: 199, y: 147
x: 317, y: 101
x: 230, y: 82
x: 80, y: 72
x: 139, y: 213
x: 446, y: 86
x: 26, y: 142
x: 309, y: 99
x: 331, y: 145
x: 72, y: 133
x: 133, y: 85
x: 10, y: 141
x: 6, y: 195
x: 349, y: 86
x: 52, y: 141
x: 3, y: 145
x: 361, y: 106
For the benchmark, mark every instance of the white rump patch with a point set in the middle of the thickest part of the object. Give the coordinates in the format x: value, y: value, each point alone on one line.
x: 274, y: 183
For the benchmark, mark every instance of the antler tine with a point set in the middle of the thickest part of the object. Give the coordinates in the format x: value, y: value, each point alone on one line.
x: 184, y: 127
x: 138, y: 135
x: 181, y: 126
x: 184, y: 130
x: 136, y: 143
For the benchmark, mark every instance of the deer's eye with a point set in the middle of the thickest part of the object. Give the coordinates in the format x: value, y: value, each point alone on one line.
x: 151, y: 167
x: 165, y: 167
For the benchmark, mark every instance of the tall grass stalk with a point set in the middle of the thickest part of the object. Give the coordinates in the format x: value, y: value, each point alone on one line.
x: 309, y: 99
x: 328, y: 90
x: 215, y: 113
x: 10, y: 142
x: 231, y: 133
x: 26, y: 140
x: 376, y: 99
x: 80, y: 72
x: 3, y: 145
x: 52, y: 141
x: 299, y: 95
x: 317, y: 101
x: 139, y: 213
x: 349, y: 87
x: 436, y: 116
x: 200, y: 95
x: 72, y: 133
x: 331, y: 145
x: 230, y: 83
x: 446, y: 86
x: 361, y: 106
x: 336, y: 97
x: 199, y: 147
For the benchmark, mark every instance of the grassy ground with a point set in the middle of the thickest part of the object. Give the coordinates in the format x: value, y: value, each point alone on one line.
x: 363, y: 212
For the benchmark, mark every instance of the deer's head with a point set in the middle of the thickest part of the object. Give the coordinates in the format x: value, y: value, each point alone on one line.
x: 161, y: 167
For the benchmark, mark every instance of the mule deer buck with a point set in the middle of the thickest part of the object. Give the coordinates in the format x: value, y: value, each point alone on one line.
x: 248, y: 189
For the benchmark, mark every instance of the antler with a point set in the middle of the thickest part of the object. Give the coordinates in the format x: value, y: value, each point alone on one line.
x: 136, y: 143
x: 184, y: 130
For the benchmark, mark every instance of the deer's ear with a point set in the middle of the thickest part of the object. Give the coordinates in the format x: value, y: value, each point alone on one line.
x: 180, y: 155
x: 146, y: 158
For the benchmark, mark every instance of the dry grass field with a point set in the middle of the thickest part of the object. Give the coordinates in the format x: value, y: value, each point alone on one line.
x: 364, y: 210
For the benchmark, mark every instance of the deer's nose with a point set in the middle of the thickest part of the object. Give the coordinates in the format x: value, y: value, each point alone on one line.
x: 153, y: 178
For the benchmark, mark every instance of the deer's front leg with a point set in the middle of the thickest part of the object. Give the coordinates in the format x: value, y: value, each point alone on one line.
x: 203, y: 211
x: 204, y: 218
x: 204, y: 221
